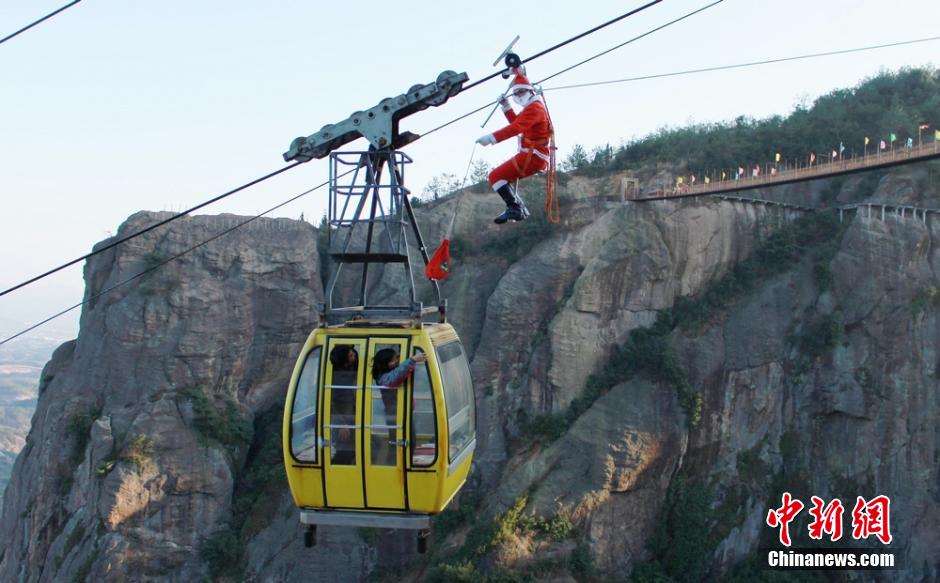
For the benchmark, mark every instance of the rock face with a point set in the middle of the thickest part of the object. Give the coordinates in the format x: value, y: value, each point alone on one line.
x: 823, y: 379
x: 115, y: 481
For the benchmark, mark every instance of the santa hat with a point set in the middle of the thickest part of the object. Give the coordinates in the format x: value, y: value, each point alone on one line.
x: 520, y: 82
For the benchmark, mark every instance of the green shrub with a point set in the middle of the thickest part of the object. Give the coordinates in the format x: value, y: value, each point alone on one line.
x: 925, y: 298
x: 463, y: 572
x: 139, y: 451
x: 227, y: 426
x: 889, y: 101
x: 78, y: 428
x: 581, y: 562
x: 683, y: 542
x: 507, y: 524
x: 556, y: 528
x: 651, y: 572
x: 822, y: 336
x: 822, y: 273
x: 453, y: 517
x: 547, y: 428
x: 221, y: 552
x: 262, y: 479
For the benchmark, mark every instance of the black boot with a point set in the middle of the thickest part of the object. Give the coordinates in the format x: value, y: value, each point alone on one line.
x: 515, y: 208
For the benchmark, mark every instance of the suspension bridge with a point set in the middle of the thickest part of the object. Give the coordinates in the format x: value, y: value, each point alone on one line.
x: 801, y: 173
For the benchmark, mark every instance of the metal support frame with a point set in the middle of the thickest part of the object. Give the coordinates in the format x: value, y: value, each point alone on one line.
x: 402, y: 520
x: 367, y: 217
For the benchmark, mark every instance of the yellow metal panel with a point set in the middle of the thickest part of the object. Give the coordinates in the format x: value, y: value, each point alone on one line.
x: 343, y: 480
x: 384, y: 461
x: 305, y: 483
x: 424, y: 491
x: 454, y: 482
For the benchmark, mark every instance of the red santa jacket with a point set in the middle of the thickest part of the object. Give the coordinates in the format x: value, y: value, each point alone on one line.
x: 533, y: 125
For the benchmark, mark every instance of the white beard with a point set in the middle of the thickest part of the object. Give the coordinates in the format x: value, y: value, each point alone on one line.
x: 525, y: 99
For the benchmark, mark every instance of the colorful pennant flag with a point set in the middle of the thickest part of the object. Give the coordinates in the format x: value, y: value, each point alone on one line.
x: 812, y: 158
x: 894, y: 138
x: 707, y: 180
x: 841, y: 148
x: 723, y: 174
x: 923, y: 126
x: 835, y: 154
x: 936, y: 135
x: 693, y: 179
x: 777, y: 158
x: 866, y: 140
x: 679, y: 180
x: 882, y: 145
x: 910, y: 143
x: 773, y: 171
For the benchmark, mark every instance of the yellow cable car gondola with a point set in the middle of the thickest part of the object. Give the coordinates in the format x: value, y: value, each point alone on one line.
x: 360, y: 454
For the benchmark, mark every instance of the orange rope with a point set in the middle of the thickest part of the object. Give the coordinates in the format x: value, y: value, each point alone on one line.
x: 551, y: 180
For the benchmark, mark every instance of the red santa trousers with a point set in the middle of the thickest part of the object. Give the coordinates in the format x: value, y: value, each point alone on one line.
x: 519, y: 166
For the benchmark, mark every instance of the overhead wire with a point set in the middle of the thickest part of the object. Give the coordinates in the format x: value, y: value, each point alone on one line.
x: 272, y: 174
x: 156, y: 225
x: 568, y: 41
x: 481, y: 108
x: 275, y: 173
x: 565, y: 70
x: 742, y: 65
x: 636, y: 38
x: 43, y: 19
x: 169, y: 259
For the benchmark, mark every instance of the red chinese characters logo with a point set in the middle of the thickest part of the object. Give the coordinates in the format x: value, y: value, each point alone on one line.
x: 872, y: 518
x: 783, y: 516
x: 826, y: 520
x: 869, y: 518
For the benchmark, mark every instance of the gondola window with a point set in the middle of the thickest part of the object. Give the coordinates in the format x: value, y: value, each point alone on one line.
x: 458, y: 397
x: 423, y: 426
x: 304, y: 419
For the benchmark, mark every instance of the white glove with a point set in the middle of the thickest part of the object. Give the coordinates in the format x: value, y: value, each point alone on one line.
x: 487, y: 140
x: 504, y: 102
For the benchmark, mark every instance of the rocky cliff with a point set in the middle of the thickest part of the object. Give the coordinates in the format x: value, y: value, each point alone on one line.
x: 144, y: 420
x: 650, y: 377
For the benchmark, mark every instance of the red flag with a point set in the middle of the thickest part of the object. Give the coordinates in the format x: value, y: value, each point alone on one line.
x: 923, y: 126
x: 438, y: 266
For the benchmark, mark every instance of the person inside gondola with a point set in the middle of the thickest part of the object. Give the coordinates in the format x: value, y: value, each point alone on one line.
x: 390, y: 374
x: 345, y: 362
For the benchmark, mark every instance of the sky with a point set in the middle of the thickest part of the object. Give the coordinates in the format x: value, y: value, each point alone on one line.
x: 113, y: 107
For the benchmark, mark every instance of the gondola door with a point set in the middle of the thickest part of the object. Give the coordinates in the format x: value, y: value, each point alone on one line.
x: 385, y: 442
x: 342, y: 422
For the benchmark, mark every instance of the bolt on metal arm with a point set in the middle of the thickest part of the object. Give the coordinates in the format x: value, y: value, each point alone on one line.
x: 378, y: 124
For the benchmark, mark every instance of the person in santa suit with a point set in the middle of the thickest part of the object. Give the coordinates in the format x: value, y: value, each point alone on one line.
x: 534, y: 129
